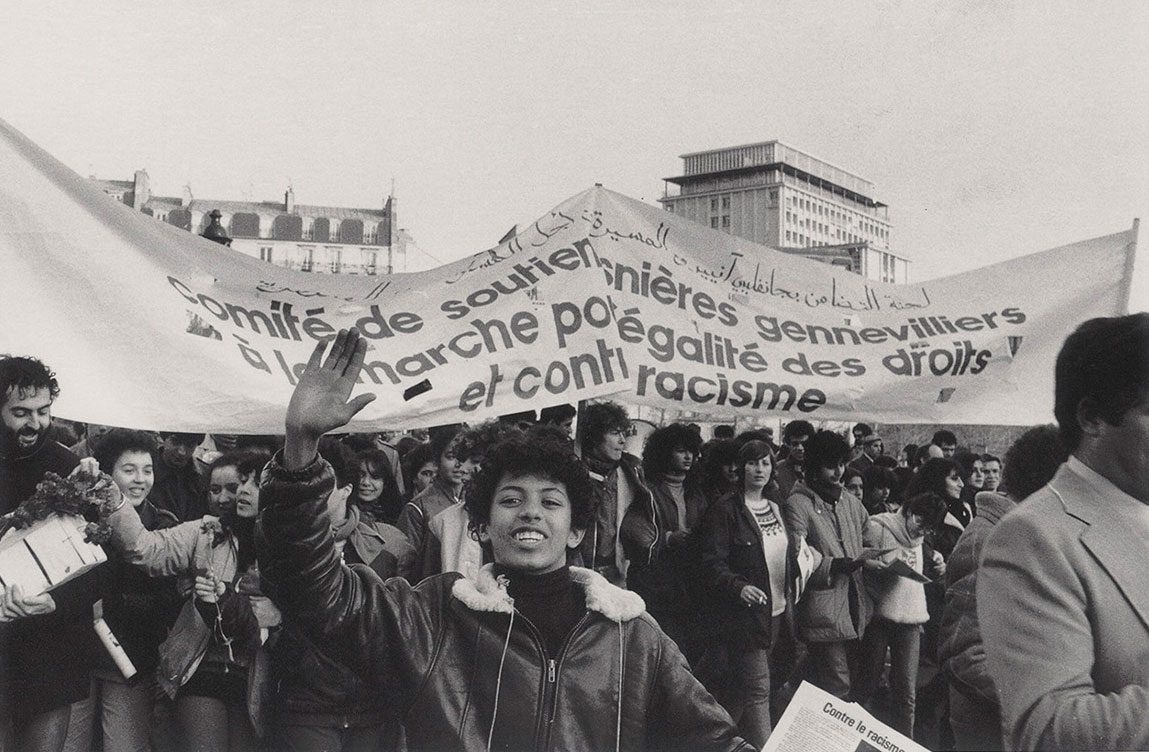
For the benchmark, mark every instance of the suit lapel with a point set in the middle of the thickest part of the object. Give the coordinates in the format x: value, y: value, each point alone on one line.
x: 1109, y: 538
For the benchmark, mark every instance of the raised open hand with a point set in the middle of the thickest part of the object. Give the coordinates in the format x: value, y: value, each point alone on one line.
x: 321, y: 400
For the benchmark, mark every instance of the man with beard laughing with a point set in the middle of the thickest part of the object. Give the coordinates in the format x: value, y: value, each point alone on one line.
x: 46, y: 657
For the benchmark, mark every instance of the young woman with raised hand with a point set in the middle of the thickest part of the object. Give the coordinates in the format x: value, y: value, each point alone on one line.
x: 530, y: 653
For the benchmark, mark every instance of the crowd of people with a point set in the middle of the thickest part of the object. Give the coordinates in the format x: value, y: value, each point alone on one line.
x: 520, y: 584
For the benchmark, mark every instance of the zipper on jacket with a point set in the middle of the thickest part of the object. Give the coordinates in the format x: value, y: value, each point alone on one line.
x: 551, y: 706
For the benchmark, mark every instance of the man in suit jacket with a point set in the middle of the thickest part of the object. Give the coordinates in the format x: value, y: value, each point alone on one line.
x: 1062, y: 595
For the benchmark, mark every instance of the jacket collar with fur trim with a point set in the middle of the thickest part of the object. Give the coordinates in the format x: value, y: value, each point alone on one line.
x: 484, y: 592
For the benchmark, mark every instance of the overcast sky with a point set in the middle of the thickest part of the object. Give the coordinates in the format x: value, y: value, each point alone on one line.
x: 991, y: 129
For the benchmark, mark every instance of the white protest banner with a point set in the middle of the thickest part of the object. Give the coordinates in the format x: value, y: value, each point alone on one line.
x: 719, y: 325
x: 604, y: 295
x: 151, y: 327
x: 816, y: 721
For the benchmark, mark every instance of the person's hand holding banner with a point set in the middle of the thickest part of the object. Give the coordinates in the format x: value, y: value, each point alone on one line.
x: 320, y: 401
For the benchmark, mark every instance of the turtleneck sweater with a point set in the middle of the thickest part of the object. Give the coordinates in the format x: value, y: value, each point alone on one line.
x: 676, y: 485
x: 552, y: 602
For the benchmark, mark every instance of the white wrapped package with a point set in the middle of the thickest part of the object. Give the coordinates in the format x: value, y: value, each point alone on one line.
x: 47, y: 554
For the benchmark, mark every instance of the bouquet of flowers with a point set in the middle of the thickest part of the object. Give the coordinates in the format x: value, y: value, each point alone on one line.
x: 81, y: 494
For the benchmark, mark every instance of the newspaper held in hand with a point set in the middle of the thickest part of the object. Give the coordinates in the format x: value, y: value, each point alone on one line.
x: 902, y: 569
x: 816, y: 721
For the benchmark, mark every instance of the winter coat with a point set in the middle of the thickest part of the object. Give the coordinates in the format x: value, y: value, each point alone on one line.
x: 415, y: 519
x: 184, y: 550
x: 40, y: 675
x: 960, y: 650
x: 665, y: 574
x: 895, y: 598
x: 644, y: 531
x: 461, y: 665
x: 138, y: 607
x: 824, y: 612
x: 1063, y: 605
x: 308, y: 686
x: 449, y: 545
x: 732, y: 558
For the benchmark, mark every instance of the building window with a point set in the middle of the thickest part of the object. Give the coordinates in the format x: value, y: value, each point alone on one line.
x: 714, y: 204
x: 265, y: 253
x: 714, y: 222
x: 725, y: 203
x: 336, y: 255
x: 725, y: 221
x: 308, y: 260
x: 371, y: 260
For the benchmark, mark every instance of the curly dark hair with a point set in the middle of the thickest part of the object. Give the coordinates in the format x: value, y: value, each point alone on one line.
x: 932, y: 477
x: 475, y: 440
x: 597, y: 419
x: 535, y: 453
x: 414, y: 460
x: 662, y: 442
x: 116, y: 442
x: 797, y: 428
x: 929, y: 506
x: 442, y: 438
x: 1032, y: 460
x: 23, y: 375
x: 824, y: 449
x: 718, y: 454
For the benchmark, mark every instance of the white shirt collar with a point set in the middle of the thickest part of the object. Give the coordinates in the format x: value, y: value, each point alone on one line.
x: 1117, y: 499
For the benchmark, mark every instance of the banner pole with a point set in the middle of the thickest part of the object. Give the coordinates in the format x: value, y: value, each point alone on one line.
x: 1130, y: 260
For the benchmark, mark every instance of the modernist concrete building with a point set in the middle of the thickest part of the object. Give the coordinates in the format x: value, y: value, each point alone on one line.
x: 775, y: 195
x: 322, y: 239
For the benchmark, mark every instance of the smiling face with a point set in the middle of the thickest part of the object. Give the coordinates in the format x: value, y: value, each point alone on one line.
x: 132, y: 474
x: 992, y: 470
x: 222, y: 489
x: 370, y: 484
x: 26, y: 415
x: 953, y: 485
x: 530, y: 524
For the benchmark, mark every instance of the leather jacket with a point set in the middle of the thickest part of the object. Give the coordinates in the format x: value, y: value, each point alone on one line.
x: 462, y: 667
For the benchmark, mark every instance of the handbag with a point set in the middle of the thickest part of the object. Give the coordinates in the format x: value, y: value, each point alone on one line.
x: 183, y: 650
